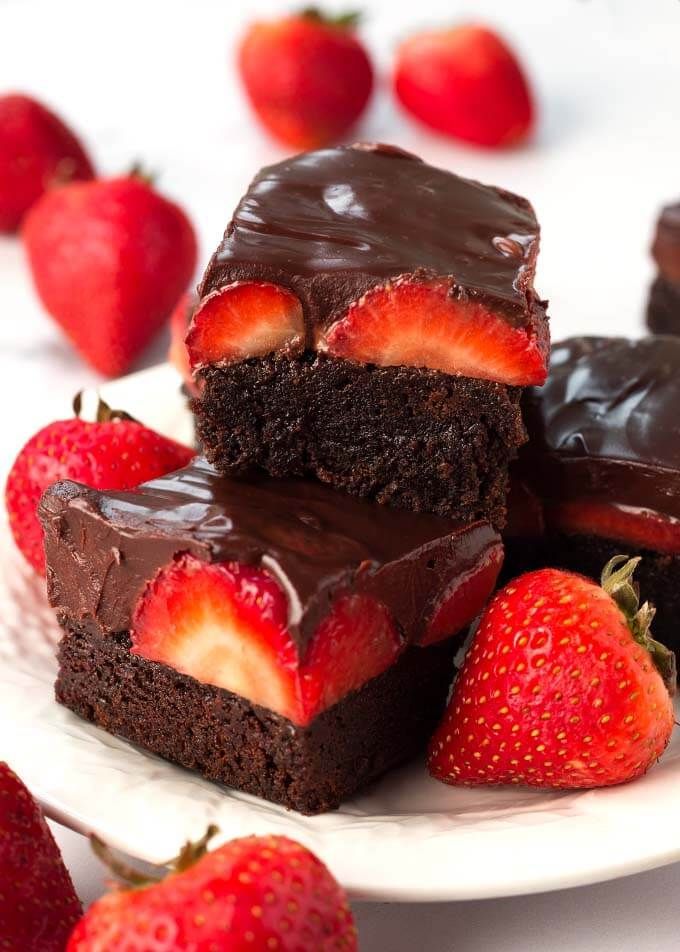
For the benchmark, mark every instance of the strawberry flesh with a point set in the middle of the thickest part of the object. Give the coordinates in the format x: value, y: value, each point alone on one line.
x: 244, y: 319
x: 226, y: 624
x: 425, y: 324
x: 637, y: 527
x: 464, y: 599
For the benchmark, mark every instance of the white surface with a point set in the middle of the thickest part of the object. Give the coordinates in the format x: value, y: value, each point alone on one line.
x: 394, y: 841
x: 142, y: 80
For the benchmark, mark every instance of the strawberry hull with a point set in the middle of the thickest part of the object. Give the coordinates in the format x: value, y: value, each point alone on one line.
x: 283, y: 609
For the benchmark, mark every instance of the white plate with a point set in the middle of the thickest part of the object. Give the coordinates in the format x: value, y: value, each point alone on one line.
x: 407, y: 838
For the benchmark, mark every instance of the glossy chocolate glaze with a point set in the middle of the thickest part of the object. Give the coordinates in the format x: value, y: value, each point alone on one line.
x: 666, y: 246
x: 103, y: 547
x: 331, y: 224
x: 606, y: 425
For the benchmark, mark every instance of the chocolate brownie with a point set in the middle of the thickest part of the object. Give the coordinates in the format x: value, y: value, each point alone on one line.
x: 370, y: 320
x: 663, y: 308
x: 600, y: 474
x: 276, y: 635
x: 241, y: 745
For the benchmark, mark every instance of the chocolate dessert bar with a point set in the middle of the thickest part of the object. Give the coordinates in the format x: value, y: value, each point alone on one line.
x: 663, y: 308
x: 600, y: 474
x: 277, y: 636
x: 370, y: 320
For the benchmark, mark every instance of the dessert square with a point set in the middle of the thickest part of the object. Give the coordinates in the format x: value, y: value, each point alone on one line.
x: 276, y: 636
x: 370, y: 320
x: 600, y: 474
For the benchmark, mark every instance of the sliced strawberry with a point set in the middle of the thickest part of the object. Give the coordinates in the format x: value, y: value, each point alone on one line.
x: 464, y: 599
x: 638, y: 527
x: 355, y: 642
x: 223, y: 624
x: 226, y: 624
x: 245, y: 319
x: 423, y: 324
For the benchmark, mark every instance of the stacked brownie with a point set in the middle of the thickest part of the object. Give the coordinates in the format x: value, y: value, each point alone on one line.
x: 663, y: 308
x: 282, y: 615
x: 600, y: 475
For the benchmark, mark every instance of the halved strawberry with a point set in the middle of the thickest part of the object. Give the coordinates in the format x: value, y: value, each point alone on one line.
x: 226, y: 624
x: 244, y: 319
x: 464, y: 599
x: 638, y: 527
x: 358, y: 636
x: 415, y: 323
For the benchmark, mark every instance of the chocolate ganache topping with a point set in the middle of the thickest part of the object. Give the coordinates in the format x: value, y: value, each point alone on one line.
x: 606, y: 424
x: 103, y: 547
x: 331, y: 224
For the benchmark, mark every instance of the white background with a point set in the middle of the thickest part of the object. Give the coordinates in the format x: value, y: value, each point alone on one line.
x: 152, y: 80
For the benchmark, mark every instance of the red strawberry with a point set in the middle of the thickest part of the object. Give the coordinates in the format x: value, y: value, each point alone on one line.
x: 638, y: 527
x: 110, y: 259
x: 113, y: 453
x: 307, y: 76
x: 257, y: 893
x: 464, y: 599
x: 245, y: 319
x: 178, y: 355
x: 38, y: 904
x: 466, y: 82
x: 226, y: 624
x: 36, y: 151
x: 423, y: 324
x: 562, y: 687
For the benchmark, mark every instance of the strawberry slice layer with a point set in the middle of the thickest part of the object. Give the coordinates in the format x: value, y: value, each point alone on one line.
x: 423, y: 324
x: 226, y: 624
x: 638, y: 527
x: 464, y: 599
x: 244, y: 319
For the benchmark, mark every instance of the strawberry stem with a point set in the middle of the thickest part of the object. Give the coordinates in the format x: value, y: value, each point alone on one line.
x: 104, y: 412
x: 617, y: 581
x: 190, y: 853
x: 346, y: 21
x: 138, y: 171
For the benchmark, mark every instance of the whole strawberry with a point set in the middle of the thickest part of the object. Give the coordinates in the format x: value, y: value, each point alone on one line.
x: 110, y: 259
x: 115, y: 452
x: 257, y: 893
x: 307, y: 76
x: 37, y: 151
x: 563, y: 686
x: 465, y: 82
x: 178, y: 355
x: 38, y: 904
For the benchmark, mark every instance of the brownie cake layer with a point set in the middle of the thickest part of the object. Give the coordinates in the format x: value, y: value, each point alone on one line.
x: 416, y: 439
x: 658, y: 574
x: 230, y: 741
